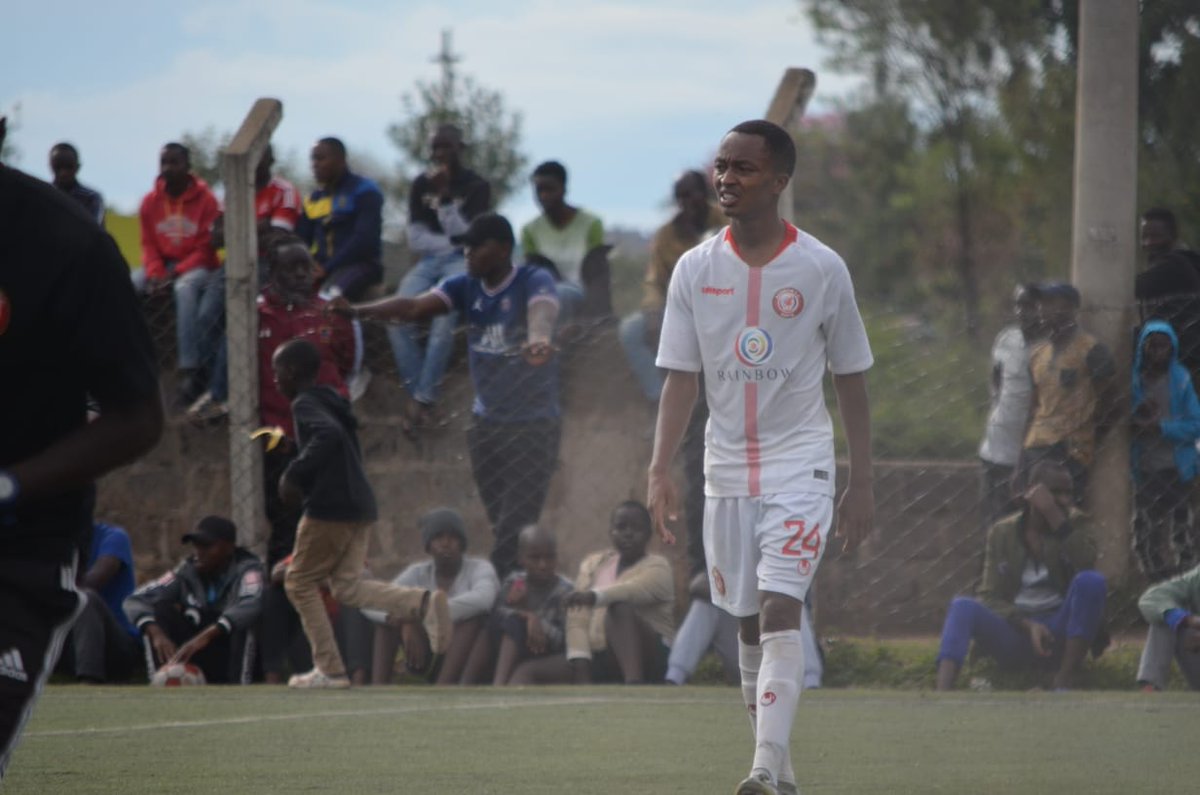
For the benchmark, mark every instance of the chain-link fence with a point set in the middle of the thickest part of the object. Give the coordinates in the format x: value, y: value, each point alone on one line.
x: 931, y: 399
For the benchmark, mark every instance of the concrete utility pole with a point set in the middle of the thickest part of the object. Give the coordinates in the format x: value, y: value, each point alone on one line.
x: 786, y: 109
x: 1103, y: 249
x: 241, y: 318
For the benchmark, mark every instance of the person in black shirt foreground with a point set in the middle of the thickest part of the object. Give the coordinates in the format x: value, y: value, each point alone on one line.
x: 70, y: 328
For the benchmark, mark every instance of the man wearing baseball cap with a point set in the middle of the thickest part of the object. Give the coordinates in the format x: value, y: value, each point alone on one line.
x: 510, y: 313
x: 200, y: 611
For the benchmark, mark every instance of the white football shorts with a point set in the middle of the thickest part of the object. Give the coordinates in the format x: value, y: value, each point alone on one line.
x: 768, y: 543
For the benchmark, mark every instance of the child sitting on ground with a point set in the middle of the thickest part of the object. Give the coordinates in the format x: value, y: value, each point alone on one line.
x: 528, y: 620
x: 621, y: 617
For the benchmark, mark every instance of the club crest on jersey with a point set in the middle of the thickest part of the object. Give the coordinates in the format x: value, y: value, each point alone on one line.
x: 753, y: 346
x: 5, y: 312
x: 788, y: 302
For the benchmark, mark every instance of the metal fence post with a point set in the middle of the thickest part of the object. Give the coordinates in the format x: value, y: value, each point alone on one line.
x: 241, y: 318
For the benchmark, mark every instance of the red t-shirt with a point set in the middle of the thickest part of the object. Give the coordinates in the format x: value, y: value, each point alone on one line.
x: 278, y: 203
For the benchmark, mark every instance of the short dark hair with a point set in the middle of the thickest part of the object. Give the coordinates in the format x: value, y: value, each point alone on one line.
x: 280, y: 241
x: 334, y: 143
x: 552, y: 168
x: 300, y: 356
x: 65, y: 147
x: 692, y: 175
x: 1037, y: 472
x: 1163, y: 216
x: 636, y: 507
x: 779, y: 142
x: 181, y: 149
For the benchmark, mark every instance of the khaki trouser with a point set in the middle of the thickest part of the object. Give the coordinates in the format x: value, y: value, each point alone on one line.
x: 335, y: 552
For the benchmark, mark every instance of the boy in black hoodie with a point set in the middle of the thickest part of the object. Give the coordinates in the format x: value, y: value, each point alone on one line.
x: 331, y: 540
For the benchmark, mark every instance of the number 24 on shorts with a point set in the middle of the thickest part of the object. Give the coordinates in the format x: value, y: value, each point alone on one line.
x: 804, y: 543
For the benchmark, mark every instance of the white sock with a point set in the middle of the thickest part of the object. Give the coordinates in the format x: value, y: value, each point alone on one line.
x: 778, y: 694
x: 749, y: 661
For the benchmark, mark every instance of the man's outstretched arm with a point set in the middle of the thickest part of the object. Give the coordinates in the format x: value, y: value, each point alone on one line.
x: 856, y: 510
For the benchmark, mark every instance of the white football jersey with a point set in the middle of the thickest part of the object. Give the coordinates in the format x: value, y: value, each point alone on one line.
x: 763, y: 338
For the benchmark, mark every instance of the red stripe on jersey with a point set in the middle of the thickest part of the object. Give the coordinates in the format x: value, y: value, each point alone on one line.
x: 790, y: 235
x: 753, y: 447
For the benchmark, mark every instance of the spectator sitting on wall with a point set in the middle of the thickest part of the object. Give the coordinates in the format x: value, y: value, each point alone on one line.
x: 64, y: 164
x: 621, y: 617
x: 177, y: 220
x: 343, y: 222
x: 510, y: 314
x: 696, y: 219
x: 276, y: 211
x: 471, y: 585
x: 289, y: 308
x: 103, y: 645
x: 442, y: 203
x: 202, y: 610
x: 528, y: 620
x: 1011, y: 390
x: 1074, y: 399
x: 1166, y: 426
x: 1040, y: 599
x: 1172, y: 609
x: 566, y: 235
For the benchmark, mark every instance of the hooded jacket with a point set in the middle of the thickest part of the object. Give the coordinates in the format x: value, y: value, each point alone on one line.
x: 178, y: 230
x: 328, y: 468
x: 1182, y: 425
x: 238, y: 598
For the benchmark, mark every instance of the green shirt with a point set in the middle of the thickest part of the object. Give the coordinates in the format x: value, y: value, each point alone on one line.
x: 567, y: 246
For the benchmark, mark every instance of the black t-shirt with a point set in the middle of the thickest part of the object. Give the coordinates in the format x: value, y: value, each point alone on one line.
x: 468, y: 187
x: 1170, y: 290
x: 70, y: 326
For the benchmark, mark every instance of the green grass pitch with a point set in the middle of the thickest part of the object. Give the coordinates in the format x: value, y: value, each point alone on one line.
x: 596, y: 741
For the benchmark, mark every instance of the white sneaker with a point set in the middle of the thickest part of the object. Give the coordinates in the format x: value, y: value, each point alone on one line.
x: 359, y: 382
x: 318, y: 680
x: 200, y: 403
x: 757, y: 783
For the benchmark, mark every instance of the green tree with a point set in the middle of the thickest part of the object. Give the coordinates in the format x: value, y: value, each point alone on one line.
x: 8, y: 152
x: 949, y: 59
x: 206, y: 148
x: 493, y: 134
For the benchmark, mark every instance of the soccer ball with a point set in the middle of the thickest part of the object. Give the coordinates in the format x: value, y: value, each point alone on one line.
x: 177, y: 675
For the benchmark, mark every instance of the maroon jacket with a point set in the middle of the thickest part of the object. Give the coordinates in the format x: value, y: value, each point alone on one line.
x: 279, y: 322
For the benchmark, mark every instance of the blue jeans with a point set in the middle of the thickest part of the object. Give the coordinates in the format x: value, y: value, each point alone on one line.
x: 422, y: 370
x: 1078, y: 616
x: 199, y: 317
x: 641, y: 357
x: 570, y: 296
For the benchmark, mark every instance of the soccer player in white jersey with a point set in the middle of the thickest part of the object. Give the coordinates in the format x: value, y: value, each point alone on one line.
x: 763, y: 309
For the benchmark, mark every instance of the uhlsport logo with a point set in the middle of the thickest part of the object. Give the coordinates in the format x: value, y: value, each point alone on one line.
x: 768, y: 698
x: 788, y: 302
x: 753, y: 346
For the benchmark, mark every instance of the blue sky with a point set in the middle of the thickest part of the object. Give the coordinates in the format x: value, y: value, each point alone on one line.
x: 626, y: 94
